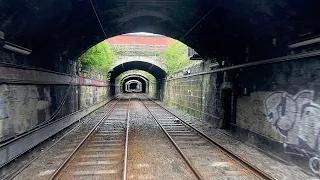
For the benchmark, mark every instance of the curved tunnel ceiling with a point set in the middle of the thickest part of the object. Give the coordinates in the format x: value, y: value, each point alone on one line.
x: 65, y: 28
x: 135, y: 76
x: 135, y: 80
x: 153, y: 69
x: 142, y: 81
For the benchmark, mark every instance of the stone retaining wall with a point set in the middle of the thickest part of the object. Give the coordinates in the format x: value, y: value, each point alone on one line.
x: 197, y: 95
x: 27, y: 101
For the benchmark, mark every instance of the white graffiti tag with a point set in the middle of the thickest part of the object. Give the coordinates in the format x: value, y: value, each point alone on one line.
x: 296, y: 118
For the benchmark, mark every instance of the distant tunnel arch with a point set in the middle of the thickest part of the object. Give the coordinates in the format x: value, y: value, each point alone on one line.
x: 133, y: 86
x: 144, y: 82
x: 156, y: 70
x: 145, y: 65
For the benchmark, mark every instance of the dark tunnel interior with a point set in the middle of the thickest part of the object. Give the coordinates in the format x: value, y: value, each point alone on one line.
x: 251, y: 86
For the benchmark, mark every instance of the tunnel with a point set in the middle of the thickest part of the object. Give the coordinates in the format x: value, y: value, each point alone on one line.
x: 133, y: 86
x: 158, y: 72
x: 250, y: 88
x: 140, y: 78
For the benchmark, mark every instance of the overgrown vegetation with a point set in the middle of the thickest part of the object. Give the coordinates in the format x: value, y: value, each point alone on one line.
x: 100, y: 58
x: 175, y: 56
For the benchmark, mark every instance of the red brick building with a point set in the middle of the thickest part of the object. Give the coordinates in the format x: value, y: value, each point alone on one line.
x: 150, y: 40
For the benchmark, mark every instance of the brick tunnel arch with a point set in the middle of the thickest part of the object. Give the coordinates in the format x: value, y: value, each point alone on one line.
x: 145, y: 64
x: 223, y: 29
x: 133, y: 84
x: 158, y: 72
x: 143, y: 81
x: 234, y: 32
x: 134, y: 76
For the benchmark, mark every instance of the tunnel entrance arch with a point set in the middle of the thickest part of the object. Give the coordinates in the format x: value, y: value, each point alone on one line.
x: 224, y: 27
x: 134, y: 76
x: 144, y: 83
x: 133, y: 86
x: 154, y: 69
x: 157, y: 70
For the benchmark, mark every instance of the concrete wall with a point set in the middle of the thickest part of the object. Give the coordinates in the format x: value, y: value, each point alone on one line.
x: 16, y: 114
x: 22, y: 107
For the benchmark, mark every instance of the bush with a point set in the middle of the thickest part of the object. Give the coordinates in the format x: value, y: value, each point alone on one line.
x: 175, y: 57
x: 99, y: 58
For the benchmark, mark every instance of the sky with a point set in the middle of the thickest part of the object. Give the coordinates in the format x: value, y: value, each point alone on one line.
x: 142, y: 34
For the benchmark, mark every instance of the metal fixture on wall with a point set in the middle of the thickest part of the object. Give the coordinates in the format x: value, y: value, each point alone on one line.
x: 13, y: 47
x: 305, y: 43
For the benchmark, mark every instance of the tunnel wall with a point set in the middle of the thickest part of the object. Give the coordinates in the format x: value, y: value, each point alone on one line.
x: 30, y: 97
x: 90, y: 95
x: 197, y: 95
x: 275, y: 107
x: 281, y: 110
x: 152, y: 89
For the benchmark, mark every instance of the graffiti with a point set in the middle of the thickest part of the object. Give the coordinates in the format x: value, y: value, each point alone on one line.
x: 297, y: 119
x: 3, y: 112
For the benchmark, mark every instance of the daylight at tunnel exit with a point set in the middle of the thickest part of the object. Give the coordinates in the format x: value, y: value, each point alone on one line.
x: 159, y: 89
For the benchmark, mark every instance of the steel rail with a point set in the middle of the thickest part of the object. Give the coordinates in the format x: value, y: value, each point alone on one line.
x: 22, y: 135
x: 13, y: 175
x: 63, y: 164
x: 16, y: 147
x: 242, y: 161
x: 125, y: 161
x: 196, y: 172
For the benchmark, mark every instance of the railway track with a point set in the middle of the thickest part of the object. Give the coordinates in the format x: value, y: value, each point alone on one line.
x: 102, y: 154
x: 84, y: 125
x: 206, y: 158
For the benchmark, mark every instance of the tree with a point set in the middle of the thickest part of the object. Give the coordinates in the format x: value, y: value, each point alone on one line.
x: 99, y: 58
x: 175, y: 56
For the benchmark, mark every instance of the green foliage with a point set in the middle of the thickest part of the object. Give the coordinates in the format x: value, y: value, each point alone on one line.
x: 175, y: 57
x: 99, y: 58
